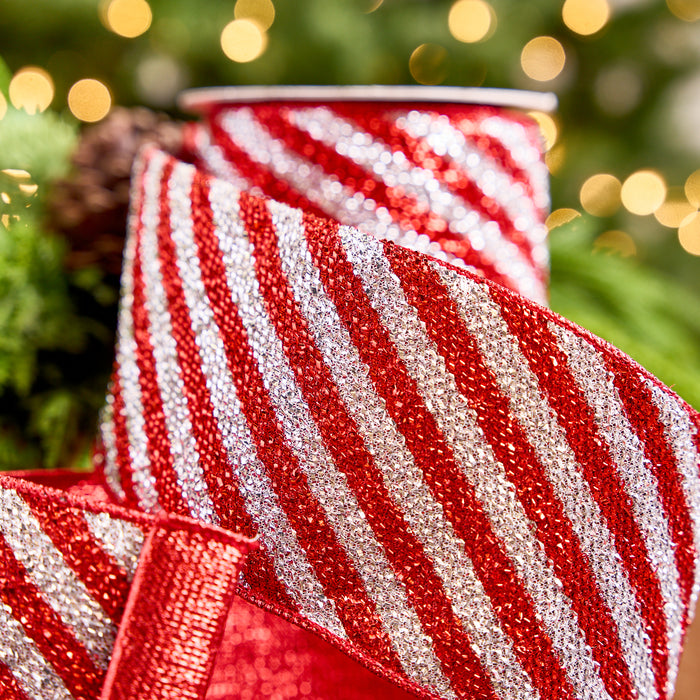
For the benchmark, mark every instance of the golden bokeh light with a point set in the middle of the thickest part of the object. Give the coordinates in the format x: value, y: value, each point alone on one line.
x: 554, y: 158
x: 616, y: 242
x: 3, y: 106
x: 674, y: 209
x: 470, y: 21
x: 600, y: 194
x: 585, y: 16
x: 559, y: 217
x: 548, y: 127
x: 262, y: 12
x: 687, y: 10
x: 128, y: 18
x: 89, y: 100
x: 543, y: 58
x: 373, y: 5
x: 31, y: 89
x: 428, y: 64
x: 689, y: 234
x: 692, y: 189
x: 242, y: 40
x: 643, y: 192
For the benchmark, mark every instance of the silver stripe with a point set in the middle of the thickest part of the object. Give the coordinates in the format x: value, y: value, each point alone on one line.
x: 145, y: 487
x: 327, y: 483
x: 325, y: 191
x: 640, y: 483
x: 680, y: 431
x: 457, y: 422
x: 278, y: 536
x: 33, y: 673
x: 109, y: 441
x: 217, y: 164
x: 122, y: 540
x: 183, y: 447
x: 59, y: 585
x: 502, y: 354
x: 388, y: 447
x: 395, y: 170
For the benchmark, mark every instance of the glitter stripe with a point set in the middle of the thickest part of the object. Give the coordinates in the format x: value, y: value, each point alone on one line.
x: 111, y: 467
x: 682, y: 436
x: 379, y: 432
x: 120, y: 539
x: 598, y: 386
x: 330, y: 486
x: 428, y: 193
x: 549, y: 364
x: 32, y: 672
x: 70, y: 600
x: 169, y: 385
x: 562, y: 494
x: 291, y: 565
x: 213, y: 157
x: 417, y: 355
x: 335, y: 572
x: 9, y: 684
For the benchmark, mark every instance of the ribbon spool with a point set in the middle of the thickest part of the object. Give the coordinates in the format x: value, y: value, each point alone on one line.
x: 345, y: 468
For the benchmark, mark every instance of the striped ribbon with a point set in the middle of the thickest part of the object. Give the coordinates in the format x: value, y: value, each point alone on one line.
x: 463, y: 492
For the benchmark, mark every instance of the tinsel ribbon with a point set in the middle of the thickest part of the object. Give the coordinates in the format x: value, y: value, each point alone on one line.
x: 336, y: 467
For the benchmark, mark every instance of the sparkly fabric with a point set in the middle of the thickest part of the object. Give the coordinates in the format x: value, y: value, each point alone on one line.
x: 345, y: 468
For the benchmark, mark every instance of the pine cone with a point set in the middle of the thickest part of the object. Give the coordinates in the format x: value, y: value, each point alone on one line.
x: 90, y: 206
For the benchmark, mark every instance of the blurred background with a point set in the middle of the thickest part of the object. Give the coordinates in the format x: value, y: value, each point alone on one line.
x: 623, y: 152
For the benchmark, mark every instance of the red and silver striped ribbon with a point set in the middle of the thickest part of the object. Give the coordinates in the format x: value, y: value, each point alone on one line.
x: 450, y: 485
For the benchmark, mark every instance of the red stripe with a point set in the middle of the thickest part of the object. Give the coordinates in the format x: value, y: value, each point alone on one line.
x: 258, y: 174
x: 52, y: 637
x: 511, y: 448
x: 336, y: 574
x: 644, y: 417
x: 104, y: 579
x: 345, y: 445
x: 160, y: 458
x: 434, y: 456
x: 550, y: 364
x: 444, y: 169
x: 9, y: 686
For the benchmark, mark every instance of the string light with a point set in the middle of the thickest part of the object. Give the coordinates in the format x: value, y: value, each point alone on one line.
x: 687, y: 10
x: 692, y: 188
x: 559, y: 217
x: 616, y: 242
x: 262, y: 12
x: 585, y: 16
x: 31, y: 89
x: 600, y: 194
x: 128, y: 18
x: 89, y: 100
x: 242, y: 40
x: 548, y: 127
x: 470, y: 21
x: 543, y: 58
x: 689, y: 234
x: 643, y: 192
x: 428, y: 64
x: 674, y: 209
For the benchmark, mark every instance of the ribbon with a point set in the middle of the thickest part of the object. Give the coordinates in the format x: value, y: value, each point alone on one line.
x: 452, y: 491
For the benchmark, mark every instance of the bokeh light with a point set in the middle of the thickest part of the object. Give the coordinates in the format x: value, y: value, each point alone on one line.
x: 585, y: 16
x: 618, y: 88
x: 89, y: 100
x: 692, y: 188
x: 559, y: 217
x: 616, y: 242
x: 128, y: 18
x: 600, y: 194
x: 689, y: 234
x: 675, y: 208
x: 555, y: 158
x: 548, y: 127
x: 242, y: 40
x: 262, y: 12
x: 687, y: 10
x: 643, y: 192
x: 470, y: 21
x: 428, y: 64
x: 3, y: 106
x: 31, y: 89
x: 543, y: 58
x: 159, y: 78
